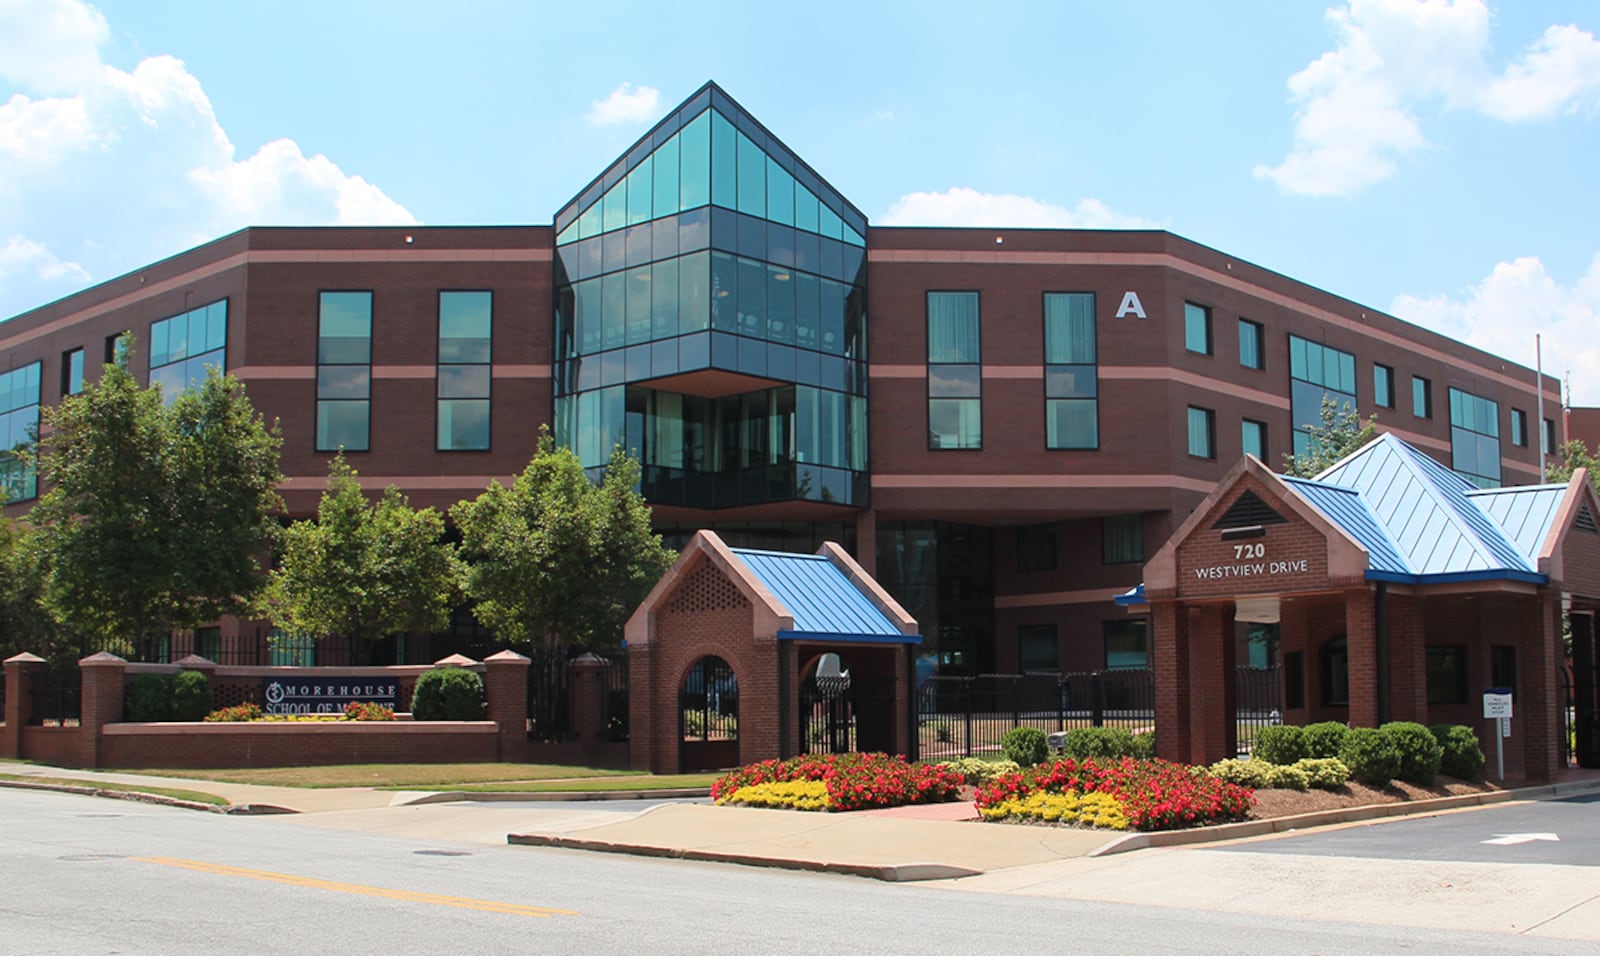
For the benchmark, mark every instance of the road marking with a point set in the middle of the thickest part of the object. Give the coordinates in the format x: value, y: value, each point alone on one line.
x: 487, y: 906
x: 1512, y: 839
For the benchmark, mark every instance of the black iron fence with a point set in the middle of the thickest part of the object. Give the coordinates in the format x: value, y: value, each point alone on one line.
x: 57, y: 693
x: 550, y: 697
x: 963, y: 716
x: 1569, y: 716
x: 1258, y: 696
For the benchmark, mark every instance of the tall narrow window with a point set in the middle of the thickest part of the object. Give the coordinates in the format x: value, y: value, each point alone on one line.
x: 1126, y: 645
x: 1549, y: 438
x: 1382, y: 386
x: 1421, y: 397
x: 19, y: 429
x: 1122, y: 539
x: 465, y: 327
x: 1038, y: 648
x: 955, y: 378
x: 1071, y: 375
x: 72, y: 372
x: 1519, y: 428
x: 1252, y: 353
x: 184, y: 346
x: 1253, y: 438
x: 1202, y: 432
x: 1197, y: 328
x: 1316, y: 373
x: 1475, y: 438
x: 344, y: 371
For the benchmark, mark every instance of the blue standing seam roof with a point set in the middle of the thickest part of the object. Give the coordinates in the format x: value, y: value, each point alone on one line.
x: 1345, y: 508
x: 822, y: 599
x: 1525, y: 513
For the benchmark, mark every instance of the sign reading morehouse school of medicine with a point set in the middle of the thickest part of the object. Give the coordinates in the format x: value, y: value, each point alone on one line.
x: 325, y: 695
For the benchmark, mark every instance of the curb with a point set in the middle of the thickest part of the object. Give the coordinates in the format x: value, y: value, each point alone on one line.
x: 1378, y: 811
x: 887, y: 872
x: 137, y: 797
x: 550, y: 796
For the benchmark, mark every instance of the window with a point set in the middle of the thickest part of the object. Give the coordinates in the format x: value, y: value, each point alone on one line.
x: 1447, y: 675
x: 19, y: 428
x: 1294, y: 679
x: 955, y: 379
x: 184, y: 346
x: 464, y: 371
x: 1036, y: 547
x: 72, y: 372
x: 1125, y: 644
x: 292, y: 650
x: 1519, y: 428
x: 1317, y: 373
x: 1421, y: 397
x: 114, y: 347
x: 344, y: 371
x: 1037, y: 648
x: 1071, y: 378
x: 1253, y: 438
x: 208, y: 643
x: 1336, y: 673
x: 1503, y: 667
x: 1202, y: 432
x: 1548, y: 447
x: 1197, y: 328
x: 1122, y: 539
x: 1475, y: 438
x: 1382, y: 386
x: 1251, y: 351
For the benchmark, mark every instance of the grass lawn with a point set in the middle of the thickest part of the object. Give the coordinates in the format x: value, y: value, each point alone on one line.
x: 433, y: 776
x: 192, y: 796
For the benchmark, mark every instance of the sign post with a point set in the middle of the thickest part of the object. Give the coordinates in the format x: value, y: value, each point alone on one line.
x: 1497, y: 707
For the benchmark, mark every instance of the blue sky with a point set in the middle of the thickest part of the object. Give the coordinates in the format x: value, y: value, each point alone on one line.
x: 1435, y: 159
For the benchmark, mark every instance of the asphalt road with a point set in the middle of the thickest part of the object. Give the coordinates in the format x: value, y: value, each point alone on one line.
x: 80, y: 875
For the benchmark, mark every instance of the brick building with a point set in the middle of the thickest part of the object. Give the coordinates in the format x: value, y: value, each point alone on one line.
x: 1002, y: 425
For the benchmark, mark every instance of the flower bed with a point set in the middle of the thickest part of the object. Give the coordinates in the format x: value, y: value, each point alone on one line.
x: 850, y: 782
x: 1150, y: 794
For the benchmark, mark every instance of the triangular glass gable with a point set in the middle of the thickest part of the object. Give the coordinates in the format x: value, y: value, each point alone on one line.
x: 1248, y: 511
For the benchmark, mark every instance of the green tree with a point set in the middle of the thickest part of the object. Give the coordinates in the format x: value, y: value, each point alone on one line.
x: 158, y: 515
x: 365, y: 570
x: 1572, y: 455
x: 556, y: 560
x: 25, y: 625
x: 1340, y: 432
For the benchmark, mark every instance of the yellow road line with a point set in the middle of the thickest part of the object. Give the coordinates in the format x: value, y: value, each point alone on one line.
x: 487, y: 906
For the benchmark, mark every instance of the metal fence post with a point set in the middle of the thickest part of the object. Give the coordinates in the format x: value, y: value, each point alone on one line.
x: 1097, y: 699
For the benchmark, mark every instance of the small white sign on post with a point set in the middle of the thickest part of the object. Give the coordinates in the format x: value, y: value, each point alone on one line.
x: 1497, y: 707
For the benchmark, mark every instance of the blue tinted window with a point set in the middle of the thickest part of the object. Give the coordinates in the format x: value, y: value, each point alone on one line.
x: 1202, y: 432
x: 694, y: 165
x: 1253, y: 438
x: 1197, y: 328
x: 664, y: 192
x: 952, y: 327
x: 1251, y: 349
x: 19, y: 429
x: 724, y: 162
x: 752, y: 178
x: 1475, y: 437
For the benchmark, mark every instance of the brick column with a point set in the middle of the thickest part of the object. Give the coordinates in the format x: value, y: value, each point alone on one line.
x: 1361, y: 638
x: 1538, y: 719
x: 1212, y: 736
x: 588, y: 710
x: 19, y: 701
x: 1408, y: 659
x: 102, y: 676
x: 1170, y: 622
x: 505, y: 690
x: 641, y: 708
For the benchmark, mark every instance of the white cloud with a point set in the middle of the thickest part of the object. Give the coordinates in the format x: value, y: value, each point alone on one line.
x: 626, y: 104
x: 962, y: 206
x: 1517, y: 300
x: 27, y: 261
x: 103, y: 169
x: 1358, y: 103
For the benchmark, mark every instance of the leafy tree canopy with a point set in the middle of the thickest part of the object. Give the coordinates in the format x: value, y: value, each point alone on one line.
x: 557, y: 560
x: 1340, y: 432
x: 365, y: 570
x: 1572, y: 455
x: 158, y: 514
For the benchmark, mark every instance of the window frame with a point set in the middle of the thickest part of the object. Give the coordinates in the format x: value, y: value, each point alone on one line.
x: 1050, y: 401
x: 1438, y: 694
x: 317, y: 399
x: 1203, y: 313
x: 1383, y: 397
x: 1261, y: 429
x: 1113, y: 628
x: 440, y: 365
x: 1519, y: 428
x: 1211, y: 431
x: 1106, y: 537
x: 1258, y: 334
x: 1050, y: 631
x: 976, y: 365
x: 1421, y: 397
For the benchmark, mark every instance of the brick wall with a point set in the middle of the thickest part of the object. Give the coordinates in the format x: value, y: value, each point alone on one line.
x: 192, y: 746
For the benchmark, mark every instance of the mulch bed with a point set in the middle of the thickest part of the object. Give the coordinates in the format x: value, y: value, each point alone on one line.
x: 1287, y: 803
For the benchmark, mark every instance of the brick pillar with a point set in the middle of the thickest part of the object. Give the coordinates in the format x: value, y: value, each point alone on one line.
x: 589, y: 705
x: 1408, y: 659
x: 1211, y: 719
x: 1361, y: 638
x: 867, y: 541
x: 1170, y: 622
x: 505, y: 691
x: 102, y: 677
x: 1538, y: 717
x: 641, y: 707
x: 19, y: 701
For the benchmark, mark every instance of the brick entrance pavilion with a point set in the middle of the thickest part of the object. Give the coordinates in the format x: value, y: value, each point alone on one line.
x: 1400, y: 592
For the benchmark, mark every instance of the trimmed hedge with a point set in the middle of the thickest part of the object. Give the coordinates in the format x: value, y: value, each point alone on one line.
x: 1105, y: 743
x: 1371, y: 755
x: 448, y: 693
x: 1462, y: 758
x: 1420, y: 753
x: 1323, y: 740
x: 1283, y: 745
x: 148, y: 698
x: 1025, y: 746
x: 191, y: 695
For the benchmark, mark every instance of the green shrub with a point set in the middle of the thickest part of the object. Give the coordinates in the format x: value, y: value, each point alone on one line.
x: 148, y: 697
x: 1289, y: 778
x: 448, y: 693
x: 1027, y: 746
x: 1108, y: 742
x: 1144, y: 746
x: 976, y: 770
x: 191, y: 695
x: 1419, y: 752
x: 1463, y: 758
x: 1282, y: 745
x: 1255, y: 774
x: 1324, y: 773
x: 1324, y: 740
x: 1371, y: 756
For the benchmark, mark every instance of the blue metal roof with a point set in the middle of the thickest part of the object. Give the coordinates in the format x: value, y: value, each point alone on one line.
x: 1525, y: 514
x: 824, y: 602
x: 1345, y: 508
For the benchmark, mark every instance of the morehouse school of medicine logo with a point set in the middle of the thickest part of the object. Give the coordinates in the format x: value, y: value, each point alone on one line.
x: 275, y: 693
x: 326, y: 695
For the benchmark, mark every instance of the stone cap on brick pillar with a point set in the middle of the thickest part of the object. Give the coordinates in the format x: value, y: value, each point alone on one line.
x: 455, y: 660
x: 102, y: 659
x: 194, y: 662
x: 24, y: 659
x: 589, y: 660
x: 506, y: 658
